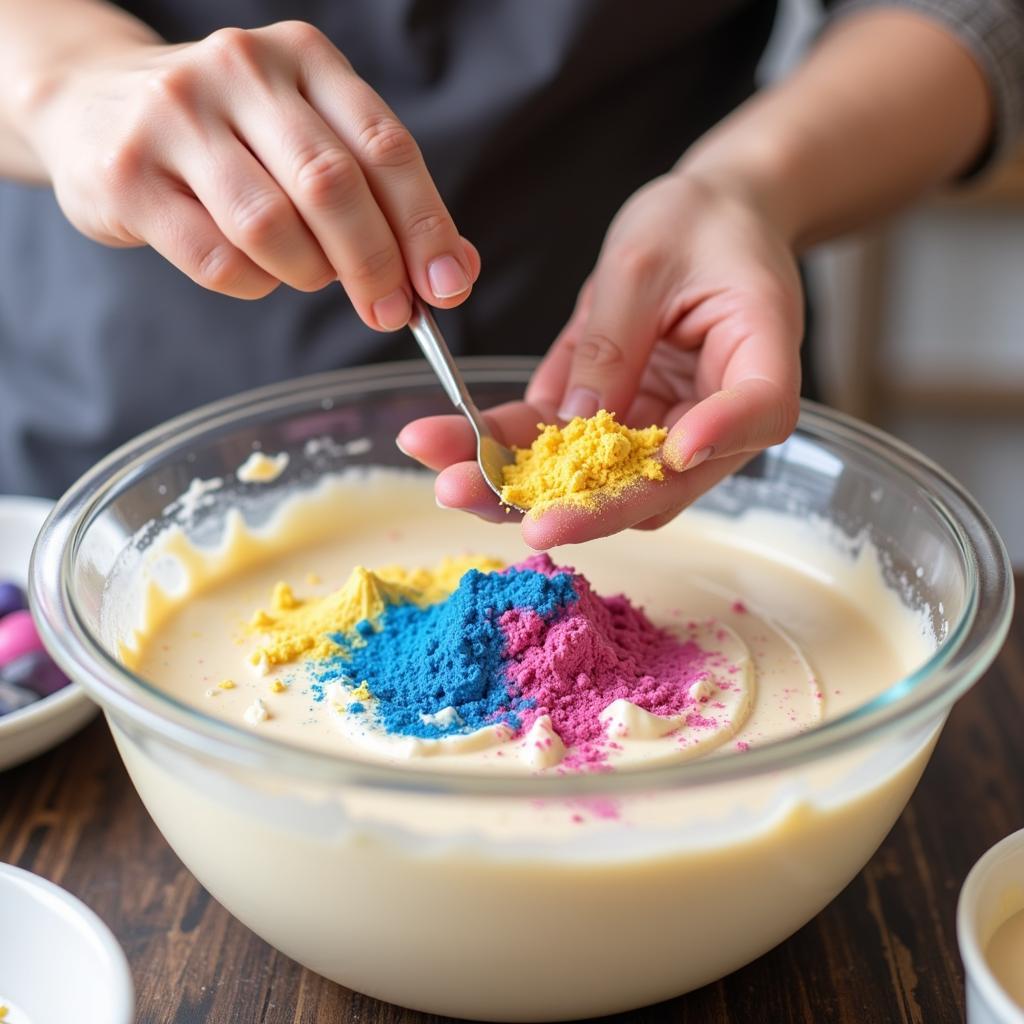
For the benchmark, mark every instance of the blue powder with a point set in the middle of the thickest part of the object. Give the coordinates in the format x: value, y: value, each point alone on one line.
x: 421, y: 660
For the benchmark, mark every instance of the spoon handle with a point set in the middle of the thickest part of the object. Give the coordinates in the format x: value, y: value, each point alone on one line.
x: 491, y: 457
x: 429, y: 338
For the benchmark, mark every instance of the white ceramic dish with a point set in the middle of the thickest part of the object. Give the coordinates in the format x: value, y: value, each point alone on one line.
x: 992, y: 893
x: 58, y: 961
x: 42, y: 725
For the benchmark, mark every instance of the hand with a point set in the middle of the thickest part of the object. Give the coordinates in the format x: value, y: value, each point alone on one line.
x: 692, y: 318
x: 249, y: 159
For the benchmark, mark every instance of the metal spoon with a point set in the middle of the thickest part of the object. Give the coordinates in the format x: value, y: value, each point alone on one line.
x: 490, y: 455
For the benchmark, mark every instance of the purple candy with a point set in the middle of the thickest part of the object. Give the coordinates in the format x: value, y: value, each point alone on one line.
x: 18, y: 636
x: 36, y: 672
x: 12, y: 598
x: 13, y: 698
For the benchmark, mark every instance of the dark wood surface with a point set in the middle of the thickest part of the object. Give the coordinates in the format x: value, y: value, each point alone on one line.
x: 885, y: 951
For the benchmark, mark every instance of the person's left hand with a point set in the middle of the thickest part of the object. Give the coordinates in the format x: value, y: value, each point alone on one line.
x: 692, y: 318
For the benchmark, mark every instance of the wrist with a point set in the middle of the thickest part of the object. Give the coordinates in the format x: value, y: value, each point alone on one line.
x: 34, y: 84
x: 755, y: 171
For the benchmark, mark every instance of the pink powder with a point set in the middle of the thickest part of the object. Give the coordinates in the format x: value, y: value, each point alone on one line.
x: 597, y: 806
x: 599, y: 650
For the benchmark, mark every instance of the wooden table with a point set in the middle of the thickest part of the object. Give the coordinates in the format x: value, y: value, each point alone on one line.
x: 885, y: 951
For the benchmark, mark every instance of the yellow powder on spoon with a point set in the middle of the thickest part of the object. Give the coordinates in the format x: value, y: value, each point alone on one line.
x: 582, y: 463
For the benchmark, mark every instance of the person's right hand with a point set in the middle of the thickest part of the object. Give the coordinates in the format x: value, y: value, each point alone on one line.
x: 252, y: 158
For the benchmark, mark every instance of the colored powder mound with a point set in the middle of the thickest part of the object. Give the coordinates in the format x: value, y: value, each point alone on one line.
x: 436, y: 584
x: 601, y: 650
x: 515, y: 645
x: 582, y: 462
x: 296, y: 628
x: 448, y: 655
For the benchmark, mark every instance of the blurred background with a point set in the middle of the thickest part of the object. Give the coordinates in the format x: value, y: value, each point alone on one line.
x: 919, y: 325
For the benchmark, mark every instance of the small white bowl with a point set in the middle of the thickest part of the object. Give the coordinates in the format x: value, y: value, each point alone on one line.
x: 992, y: 893
x: 58, y: 960
x: 33, y: 729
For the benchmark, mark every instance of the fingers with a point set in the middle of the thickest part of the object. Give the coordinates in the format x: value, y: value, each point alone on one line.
x: 447, y: 444
x: 648, y: 503
x: 396, y: 174
x: 305, y: 169
x: 439, y: 441
x: 667, y: 388
x: 614, y: 341
x: 472, y: 258
x: 463, y: 487
x: 178, y: 227
x: 253, y: 212
x: 547, y: 383
x: 754, y: 414
x: 326, y: 183
x: 758, y: 401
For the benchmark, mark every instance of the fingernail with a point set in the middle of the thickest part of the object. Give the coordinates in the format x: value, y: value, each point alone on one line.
x: 698, y: 457
x: 447, y: 278
x: 440, y: 503
x: 393, y: 311
x: 400, y: 447
x: 579, y: 402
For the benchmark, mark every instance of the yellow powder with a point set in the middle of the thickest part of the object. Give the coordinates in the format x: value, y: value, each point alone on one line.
x: 582, y: 462
x: 436, y: 584
x: 297, y: 628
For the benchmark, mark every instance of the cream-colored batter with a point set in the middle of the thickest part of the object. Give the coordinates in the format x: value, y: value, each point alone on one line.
x: 798, y: 636
x: 262, y: 469
x: 1005, y: 956
x: 521, y: 908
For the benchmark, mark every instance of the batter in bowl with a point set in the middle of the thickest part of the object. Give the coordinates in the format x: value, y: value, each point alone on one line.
x: 701, y: 638
x: 505, y: 907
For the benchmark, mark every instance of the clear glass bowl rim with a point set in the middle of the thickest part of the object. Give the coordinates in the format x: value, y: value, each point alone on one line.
x: 972, y: 643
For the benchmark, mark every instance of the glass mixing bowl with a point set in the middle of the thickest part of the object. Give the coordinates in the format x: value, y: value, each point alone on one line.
x: 469, y: 895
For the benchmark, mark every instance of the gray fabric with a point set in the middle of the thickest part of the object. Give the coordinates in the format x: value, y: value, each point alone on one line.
x: 538, y: 118
x: 993, y: 31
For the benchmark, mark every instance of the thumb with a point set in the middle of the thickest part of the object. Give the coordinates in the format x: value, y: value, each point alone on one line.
x: 614, y: 343
x: 752, y: 414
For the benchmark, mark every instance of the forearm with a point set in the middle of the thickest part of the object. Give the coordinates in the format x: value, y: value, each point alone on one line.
x: 887, y: 106
x: 39, y: 41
